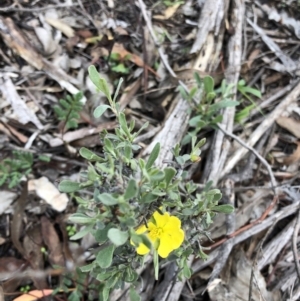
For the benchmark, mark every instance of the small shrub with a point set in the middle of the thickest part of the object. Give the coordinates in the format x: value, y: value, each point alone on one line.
x: 137, y: 208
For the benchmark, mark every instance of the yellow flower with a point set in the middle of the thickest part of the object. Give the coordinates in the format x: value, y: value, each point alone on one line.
x: 165, y: 233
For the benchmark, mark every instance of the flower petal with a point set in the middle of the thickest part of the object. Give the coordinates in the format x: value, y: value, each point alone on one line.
x: 142, y: 249
x: 165, y: 246
x: 161, y: 219
x: 177, y: 238
x: 142, y: 229
x: 173, y: 223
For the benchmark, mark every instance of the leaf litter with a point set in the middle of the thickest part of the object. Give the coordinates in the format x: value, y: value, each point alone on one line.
x: 45, y: 54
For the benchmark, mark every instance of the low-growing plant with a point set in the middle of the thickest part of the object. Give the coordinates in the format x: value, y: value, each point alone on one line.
x: 207, y: 110
x: 247, y: 93
x: 137, y: 208
x: 12, y: 169
x: 68, y: 110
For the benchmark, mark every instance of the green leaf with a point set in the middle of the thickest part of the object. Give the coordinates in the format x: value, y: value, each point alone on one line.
x: 188, y: 211
x: 99, y: 82
x: 153, y: 156
x: 80, y: 218
x: 223, y: 208
x: 183, y: 93
x: 101, y: 234
x: 44, y: 158
x: 75, y: 296
x: 123, y: 124
x: 217, y: 197
x: 208, y: 218
x: 120, y: 68
x: 140, y: 238
x: 117, y: 237
x: 82, y: 232
x: 197, y: 122
x: 203, y: 255
x: 131, y: 190
x: 130, y: 275
x: 104, y: 275
x: 198, y: 79
x: 87, y: 268
x: 143, y: 127
x: 105, y: 293
x: 158, y: 176
x: 249, y: 90
x: 200, y: 143
x: 128, y: 152
x: 169, y: 174
x: 68, y: 186
x: 98, y: 112
x: 217, y: 119
x: 187, y: 271
x: 210, y: 96
x: 109, y: 146
x: 208, y: 84
x: 107, y: 199
x: 104, y: 256
x: 134, y: 295
x: 222, y: 104
x: 118, y: 89
x: 89, y: 155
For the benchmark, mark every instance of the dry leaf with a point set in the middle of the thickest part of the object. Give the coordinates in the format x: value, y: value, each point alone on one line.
x: 253, y: 55
x: 49, y: 193
x: 45, y: 37
x: 123, y: 53
x: 294, y: 157
x: 20, y: 108
x: 52, y: 242
x: 22, y: 138
x: 34, y: 295
x: 290, y: 124
x: 60, y: 25
x: 83, y: 132
x: 32, y: 243
x: 6, y: 198
x: 8, y: 267
x: 169, y: 12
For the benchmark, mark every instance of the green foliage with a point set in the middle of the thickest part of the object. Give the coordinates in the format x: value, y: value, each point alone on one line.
x: 13, y: 169
x: 68, y: 110
x: 172, y: 2
x: 246, y: 92
x: 126, y: 191
x: 207, y: 111
x: 25, y: 289
x: 74, y: 284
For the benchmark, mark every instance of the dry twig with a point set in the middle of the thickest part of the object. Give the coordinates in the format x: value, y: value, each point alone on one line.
x: 262, y: 160
x: 294, y: 243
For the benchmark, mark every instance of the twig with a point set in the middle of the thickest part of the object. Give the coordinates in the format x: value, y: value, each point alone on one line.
x: 259, y: 227
x: 258, y: 288
x: 159, y: 47
x: 256, y: 256
x: 247, y: 227
x: 11, y: 8
x: 294, y: 243
x: 87, y: 14
x: 217, y: 157
x: 226, y: 248
x: 261, y: 129
x: 263, y: 160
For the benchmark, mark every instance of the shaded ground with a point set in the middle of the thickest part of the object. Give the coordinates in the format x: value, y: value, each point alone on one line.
x: 46, y: 48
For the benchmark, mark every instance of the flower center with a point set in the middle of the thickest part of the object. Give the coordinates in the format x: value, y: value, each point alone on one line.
x: 155, y: 233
